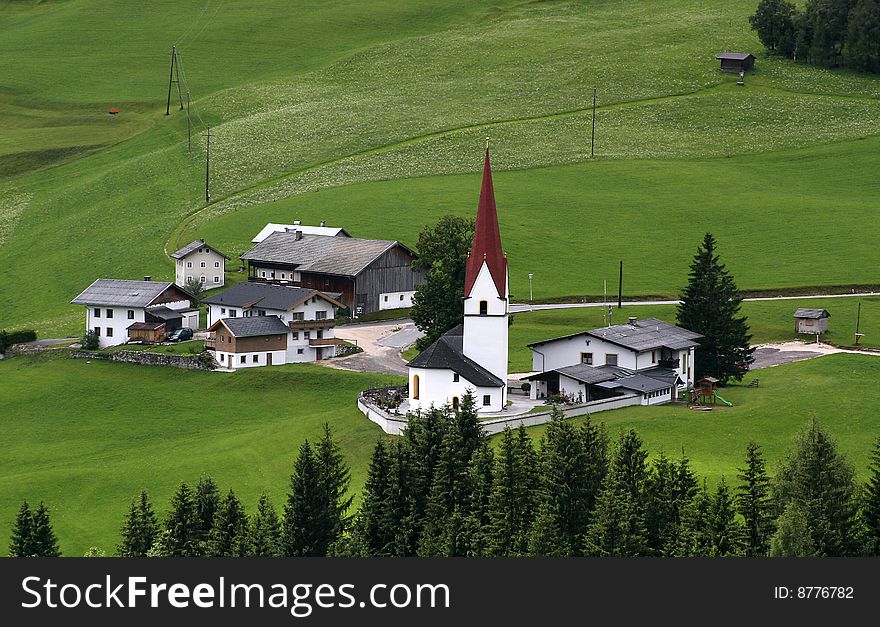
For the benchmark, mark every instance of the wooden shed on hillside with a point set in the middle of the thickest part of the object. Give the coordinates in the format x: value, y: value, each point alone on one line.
x: 812, y: 321
x: 736, y: 61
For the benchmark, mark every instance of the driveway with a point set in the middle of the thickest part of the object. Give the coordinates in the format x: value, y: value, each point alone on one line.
x: 381, y: 343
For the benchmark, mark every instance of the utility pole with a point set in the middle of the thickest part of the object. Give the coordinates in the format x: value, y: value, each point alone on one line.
x: 531, y: 276
x: 174, y: 78
x: 593, y: 136
x: 604, y: 300
x: 858, y: 322
x: 208, y: 169
x: 620, y: 287
x: 189, y: 140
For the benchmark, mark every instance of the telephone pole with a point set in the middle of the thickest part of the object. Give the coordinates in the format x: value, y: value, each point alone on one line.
x: 189, y: 141
x: 593, y: 136
x: 174, y: 78
x: 620, y: 287
x: 208, y: 169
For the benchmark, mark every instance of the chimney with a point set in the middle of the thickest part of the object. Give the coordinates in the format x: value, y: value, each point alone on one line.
x: 297, y: 235
x: 296, y: 222
x: 287, y: 229
x: 632, y: 321
x: 148, y: 277
x: 323, y: 222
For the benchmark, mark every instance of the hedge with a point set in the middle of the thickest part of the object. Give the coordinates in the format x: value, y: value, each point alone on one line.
x: 16, y: 337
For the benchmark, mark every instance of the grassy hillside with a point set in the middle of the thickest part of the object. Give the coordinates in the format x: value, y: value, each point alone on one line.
x: 362, y: 100
x: 86, y: 437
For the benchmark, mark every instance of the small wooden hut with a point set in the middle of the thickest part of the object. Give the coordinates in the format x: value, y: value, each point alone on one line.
x: 736, y: 62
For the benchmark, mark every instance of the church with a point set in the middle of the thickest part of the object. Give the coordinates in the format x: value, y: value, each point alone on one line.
x: 472, y: 356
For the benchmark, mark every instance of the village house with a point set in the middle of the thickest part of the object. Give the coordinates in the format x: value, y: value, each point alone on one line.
x: 200, y: 262
x: 370, y: 275
x: 118, y: 311
x: 648, y: 357
x: 308, y: 317
x: 812, y: 321
x: 472, y: 356
x: 323, y: 229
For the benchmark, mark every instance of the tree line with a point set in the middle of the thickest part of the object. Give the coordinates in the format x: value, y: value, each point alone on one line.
x: 830, y: 33
x: 442, y: 490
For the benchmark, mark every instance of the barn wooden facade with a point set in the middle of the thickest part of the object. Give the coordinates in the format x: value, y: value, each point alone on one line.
x: 736, y: 61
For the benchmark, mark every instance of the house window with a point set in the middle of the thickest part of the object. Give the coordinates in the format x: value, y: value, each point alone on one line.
x: 295, y: 335
x: 222, y: 338
x: 216, y: 279
x: 207, y: 251
x: 243, y: 359
x: 653, y: 357
x: 455, y: 377
x: 203, y: 264
x: 320, y: 315
x: 415, y: 387
x: 487, y: 400
x: 314, y: 299
x: 109, y: 331
x: 223, y: 311
x: 587, y: 358
x: 216, y: 264
x: 299, y: 351
x: 386, y: 299
x: 256, y: 358
x: 484, y: 308
x: 297, y: 315
x: 809, y: 323
x: 131, y: 314
x: 202, y: 278
x: 109, y: 313
x: 455, y: 404
x: 610, y: 359
x: 401, y: 297
x: 97, y: 312
x: 98, y: 331
x: 261, y: 312
x: 307, y: 335
x: 189, y: 264
x: 233, y: 313
x: 263, y: 274
x: 222, y: 357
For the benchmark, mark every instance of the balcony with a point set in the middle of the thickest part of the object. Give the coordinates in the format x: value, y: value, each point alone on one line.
x: 210, y: 344
x: 329, y: 323
x: 672, y: 364
x: 327, y: 341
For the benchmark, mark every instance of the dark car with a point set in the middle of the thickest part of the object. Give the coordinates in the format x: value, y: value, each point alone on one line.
x: 179, y: 335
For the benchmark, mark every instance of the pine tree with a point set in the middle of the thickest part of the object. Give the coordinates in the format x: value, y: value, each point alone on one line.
x: 207, y: 500
x: 595, y: 443
x: 370, y: 533
x: 303, y: 533
x: 264, y: 531
x: 473, y: 539
x: 545, y: 538
x: 871, y: 502
x: 181, y: 526
x: 695, y: 538
x: 424, y: 439
x: 821, y: 481
x: 140, y: 529
x: 21, y: 544
x: 754, y: 502
x: 710, y: 305
x: 514, y: 496
x: 726, y: 532
x: 335, y: 479
x: 863, y: 36
x: 669, y: 489
x: 794, y: 535
x: 228, y: 537
x: 402, y: 518
x: 617, y: 527
x: 43, y: 540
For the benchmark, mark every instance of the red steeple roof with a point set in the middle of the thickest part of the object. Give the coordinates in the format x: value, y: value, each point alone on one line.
x: 487, y: 240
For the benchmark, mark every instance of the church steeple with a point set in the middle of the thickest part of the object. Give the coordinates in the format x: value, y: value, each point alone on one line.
x: 486, y: 246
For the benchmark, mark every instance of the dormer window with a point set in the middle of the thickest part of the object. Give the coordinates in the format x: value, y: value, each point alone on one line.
x: 484, y: 308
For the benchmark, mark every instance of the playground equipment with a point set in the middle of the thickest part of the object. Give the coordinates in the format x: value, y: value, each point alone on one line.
x: 706, y: 392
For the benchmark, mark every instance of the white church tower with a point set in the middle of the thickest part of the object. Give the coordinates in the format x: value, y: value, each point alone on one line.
x: 486, y: 287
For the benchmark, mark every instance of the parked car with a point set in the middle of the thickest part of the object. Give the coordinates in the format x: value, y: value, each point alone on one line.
x: 180, y: 335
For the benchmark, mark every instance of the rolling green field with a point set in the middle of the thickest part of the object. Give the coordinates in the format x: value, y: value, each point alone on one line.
x: 372, y: 116
x: 86, y: 437
x: 770, y: 321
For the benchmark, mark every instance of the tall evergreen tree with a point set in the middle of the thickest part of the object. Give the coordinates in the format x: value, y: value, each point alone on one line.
x: 545, y: 538
x: 442, y: 251
x: 207, y: 500
x: 669, y: 489
x: 229, y: 533
x: 863, y: 36
x: 710, y: 305
x: 821, y: 481
x: 827, y: 21
x: 871, y: 502
x: 303, y: 533
x: 754, y: 502
x: 181, y: 526
x: 424, y: 440
x: 335, y: 479
x: 22, y: 544
x: 514, y: 497
x: 794, y: 535
x: 264, y: 531
x: 141, y: 528
x: 617, y: 527
x: 630, y: 465
x: 43, y: 540
x: 474, y: 536
x: 695, y: 537
x: 726, y: 531
x: 370, y: 533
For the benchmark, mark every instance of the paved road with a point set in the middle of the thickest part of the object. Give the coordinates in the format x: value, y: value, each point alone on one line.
x: 49, y: 342
x: 382, y: 343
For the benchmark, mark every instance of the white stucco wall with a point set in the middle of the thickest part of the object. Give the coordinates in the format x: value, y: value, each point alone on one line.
x: 191, y: 267
x: 233, y: 360
x: 437, y: 387
x: 485, y: 336
x: 395, y: 300
x: 118, y: 323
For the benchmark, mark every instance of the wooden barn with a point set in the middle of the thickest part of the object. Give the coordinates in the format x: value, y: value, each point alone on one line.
x: 812, y: 321
x: 736, y: 62
x: 371, y: 275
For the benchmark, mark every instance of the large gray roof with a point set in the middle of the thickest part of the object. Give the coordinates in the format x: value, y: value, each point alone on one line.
x: 266, y: 296
x: 194, y: 245
x: 636, y: 382
x: 256, y: 326
x: 642, y: 335
x: 446, y: 354
x: 343, y: 256
x: 122, y: 293
x: 586, y: 374
x: 814, y: 314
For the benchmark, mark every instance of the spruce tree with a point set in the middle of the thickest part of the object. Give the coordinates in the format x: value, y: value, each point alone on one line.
x: 726, y: 531
x: 229, y: 533
x: 595, y: 444
x: 545, y: 538
x: 264, y: 531
x: 424, y: 439
x: 710, y: 305
x: 140, y: 529
x: 304, y: 534
x: 371, y: 536
x: 21, y: 544
x: 630, y: 465
x: 695, y: 538
x: 617, y: 527
x: 43, y: 540
x: 754, y: 502
x: 794, y: 534
x: 669, y: 489
x: 335, y: 478
x: 402, y: 519
x: 871, y: 502
x: 474, y: 536
x: 207, y: 500
x: 181, y: 526
x: 514, y: 496
x: 821, y: 481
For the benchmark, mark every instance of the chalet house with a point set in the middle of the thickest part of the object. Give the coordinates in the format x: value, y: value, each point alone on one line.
x: 118, y: 311
x: 370, y: 275
x: 649, y: 357
x: 248, y: 342
x: 736, y: 61
x: 812, y: 321
x: 309, y: 317
x: 200, y: 262
x: 332, y: 231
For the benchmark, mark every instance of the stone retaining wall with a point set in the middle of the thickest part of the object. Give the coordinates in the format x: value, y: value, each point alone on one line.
x: 144, y: 358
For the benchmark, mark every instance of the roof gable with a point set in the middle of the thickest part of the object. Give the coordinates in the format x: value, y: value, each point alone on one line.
x: 124, y: 293
x: 446, y: 354
x: 253, y: 326
x: 194, y: 246
x: 647, y: 334
x: 486, y: 245
x: 269, y: 296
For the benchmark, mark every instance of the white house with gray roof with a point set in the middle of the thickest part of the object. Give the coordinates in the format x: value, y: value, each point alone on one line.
x: 200, y: 262
x: 323, y: 229
x: 650, y: 357
x: 113, y: 306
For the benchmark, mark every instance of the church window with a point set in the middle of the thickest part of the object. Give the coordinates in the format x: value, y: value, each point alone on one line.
x: 415, y: 390
x: 484, y: 308
x: 455, y: 377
